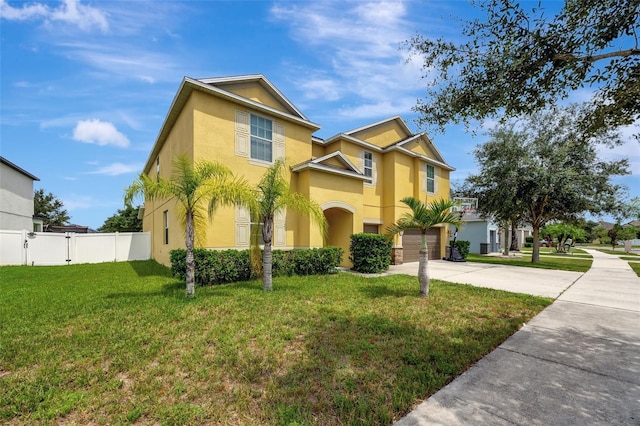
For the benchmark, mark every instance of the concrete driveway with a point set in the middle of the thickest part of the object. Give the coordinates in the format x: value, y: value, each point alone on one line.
x: 576, y: 363
x: 535, y: 281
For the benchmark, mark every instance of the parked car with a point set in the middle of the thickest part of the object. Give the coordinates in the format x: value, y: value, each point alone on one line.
x: 547, y: 243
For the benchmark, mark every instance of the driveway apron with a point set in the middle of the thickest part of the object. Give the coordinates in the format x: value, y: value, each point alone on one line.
x: 576, y: 363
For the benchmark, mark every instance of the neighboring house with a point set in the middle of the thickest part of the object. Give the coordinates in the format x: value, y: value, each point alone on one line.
x: 78, y: 229
x: 358, y: 177
x: 484, y: 235
x: 16, y: 197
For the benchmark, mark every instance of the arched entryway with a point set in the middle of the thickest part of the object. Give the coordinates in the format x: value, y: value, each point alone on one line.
x: 340, y: 219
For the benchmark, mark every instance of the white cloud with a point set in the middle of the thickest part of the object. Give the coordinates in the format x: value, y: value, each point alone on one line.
x: 116, y: 169
x: 129, y: 62
x: 70, y: 12
x: 361, y: 44
x: 99, y: 132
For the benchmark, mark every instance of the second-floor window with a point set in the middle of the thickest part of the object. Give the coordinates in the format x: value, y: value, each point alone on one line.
x: 431, y: 178
x: 261, y: 138
x: 368, y: 164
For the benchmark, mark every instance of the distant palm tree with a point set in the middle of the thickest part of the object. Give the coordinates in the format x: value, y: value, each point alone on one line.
x: 422, y: 217
x: 194, y: 185
x: 273, y: 195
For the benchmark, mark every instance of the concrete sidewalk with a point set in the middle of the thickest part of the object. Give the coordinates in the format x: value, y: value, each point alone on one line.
x: 576, y: 363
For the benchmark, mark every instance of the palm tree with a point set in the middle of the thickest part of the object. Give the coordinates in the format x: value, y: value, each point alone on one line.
x: 274, y: 194
x: 424, y: 216
x: 193, y: 185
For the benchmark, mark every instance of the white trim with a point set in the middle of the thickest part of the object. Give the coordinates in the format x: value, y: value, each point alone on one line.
x: 372, y: 221
x: 353, y: 140
x: 329, y: 170
x: 337, y: 205
x: 251, y: 78
x: 316, y: 165
x: 424, y: 157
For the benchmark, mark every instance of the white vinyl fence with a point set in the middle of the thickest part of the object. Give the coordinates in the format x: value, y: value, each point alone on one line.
x: 48, y: 248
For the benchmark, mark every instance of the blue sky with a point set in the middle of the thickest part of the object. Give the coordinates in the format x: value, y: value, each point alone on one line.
x: 85, y: 86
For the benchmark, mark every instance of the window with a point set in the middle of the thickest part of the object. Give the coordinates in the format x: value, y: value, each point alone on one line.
x: 368, y: 164
x: 431, y: 179
x: 261, y: 138
x: 370, y: 229
x: 166, y: 226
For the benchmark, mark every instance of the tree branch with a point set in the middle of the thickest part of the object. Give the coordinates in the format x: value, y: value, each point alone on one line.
x: 570, y: 57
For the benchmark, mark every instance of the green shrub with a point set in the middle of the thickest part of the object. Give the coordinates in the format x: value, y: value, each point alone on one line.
x: 462, y: 246
x: 528, y: 245
x: 370, y: 253
x: 226, y: 266
x: 529, y: 240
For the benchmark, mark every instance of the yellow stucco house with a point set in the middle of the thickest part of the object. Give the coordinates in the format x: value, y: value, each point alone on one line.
x: 358, y: 177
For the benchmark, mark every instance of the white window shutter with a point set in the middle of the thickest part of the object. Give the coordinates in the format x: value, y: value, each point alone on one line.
x: 243, y: 234
x: 374, y: 178
x: 280, y: 232
x: 242, y: 142
x: 360, y: 162
x: 278, y: 140
x: 243, y: 227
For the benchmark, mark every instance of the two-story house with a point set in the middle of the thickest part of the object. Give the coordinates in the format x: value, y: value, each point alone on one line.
x: 358, y: 177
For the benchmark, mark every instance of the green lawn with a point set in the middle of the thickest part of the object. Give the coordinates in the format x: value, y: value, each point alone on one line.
x: 566, y: 262
x: 118, y: 343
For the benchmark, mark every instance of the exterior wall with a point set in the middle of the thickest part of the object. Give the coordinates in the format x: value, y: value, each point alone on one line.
x: 16, y: 199
x: 179, y: 141
x: 476, y: 232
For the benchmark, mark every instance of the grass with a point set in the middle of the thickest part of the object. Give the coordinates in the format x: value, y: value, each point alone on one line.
x: 636, y: 267
x: 119, y: 343
x: 547, y: 261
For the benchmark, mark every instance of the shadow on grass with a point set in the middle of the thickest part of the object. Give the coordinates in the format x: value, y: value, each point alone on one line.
x: 370, y: 369
x: 150, y: 268
x: 378, y: 290
x: 170, y: 289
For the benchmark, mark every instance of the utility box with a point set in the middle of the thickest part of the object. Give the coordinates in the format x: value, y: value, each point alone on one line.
x: 484, y: 248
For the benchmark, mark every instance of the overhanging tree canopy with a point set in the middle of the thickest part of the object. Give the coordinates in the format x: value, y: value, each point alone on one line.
x: 557, y: 174
x: 518, y: 61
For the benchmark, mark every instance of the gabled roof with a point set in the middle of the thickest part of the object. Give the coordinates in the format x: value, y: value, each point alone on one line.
x: 421, y: 136
x: 222, y: 82
x: 215, y: 87
x: 321, y: 164
x: 396, y: 146
x: 396, y: 118
x: 17, y: 168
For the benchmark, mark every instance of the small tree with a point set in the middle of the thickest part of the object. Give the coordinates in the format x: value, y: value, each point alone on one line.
x: 423, y: 217
x: 273, y: 194
x: 193, y: 185
x: 48, y: 206
x: 563, y: 232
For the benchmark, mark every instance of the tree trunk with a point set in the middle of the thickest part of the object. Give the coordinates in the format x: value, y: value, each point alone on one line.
x: 190, y: 261
x: 535, y: 254
x: 506, y: 238
x: 514, y: 237
x: 267, y: 256
x: 423, y: 270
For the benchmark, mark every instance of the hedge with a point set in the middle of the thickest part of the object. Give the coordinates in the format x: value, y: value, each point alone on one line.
x: 370, y: 253
x: 226, y: 266
x: 462, y: 246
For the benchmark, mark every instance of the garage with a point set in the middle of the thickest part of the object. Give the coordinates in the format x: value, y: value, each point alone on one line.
x: 411, y: 245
